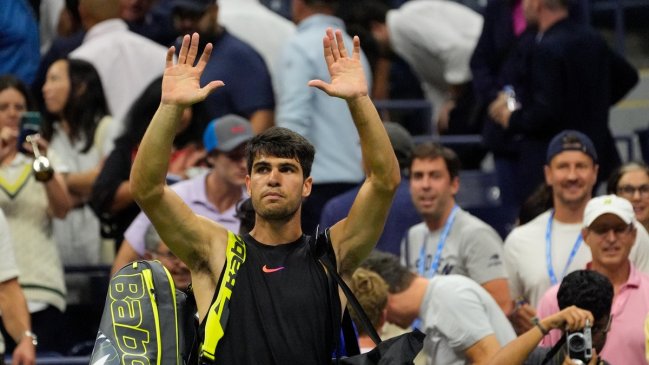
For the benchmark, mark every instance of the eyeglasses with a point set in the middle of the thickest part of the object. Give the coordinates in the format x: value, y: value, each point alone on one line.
x: 629, y: 190
x: 617, y: 230
x: 167, y: 255
x: 603, y: 329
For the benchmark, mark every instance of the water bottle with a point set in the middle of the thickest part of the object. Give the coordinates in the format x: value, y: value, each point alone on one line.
x: 512, y: 103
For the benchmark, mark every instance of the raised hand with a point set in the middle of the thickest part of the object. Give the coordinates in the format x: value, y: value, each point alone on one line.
x: 347, y: 76
x: 181, y: 81
x: 570, y: 319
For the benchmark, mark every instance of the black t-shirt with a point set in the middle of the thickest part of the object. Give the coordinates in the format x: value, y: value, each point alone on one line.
x: 281, y: 308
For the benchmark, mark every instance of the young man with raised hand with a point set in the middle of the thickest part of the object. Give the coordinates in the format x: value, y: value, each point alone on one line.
x: 270, y: 321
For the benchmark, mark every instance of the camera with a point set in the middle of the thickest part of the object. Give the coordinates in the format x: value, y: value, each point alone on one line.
x: 580, y: 344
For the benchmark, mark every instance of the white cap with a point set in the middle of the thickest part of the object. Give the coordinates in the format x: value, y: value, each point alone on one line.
x: 612, y: 204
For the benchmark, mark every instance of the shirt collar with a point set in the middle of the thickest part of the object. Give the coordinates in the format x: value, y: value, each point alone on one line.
x: 107, y: 26
x: 317, y: 19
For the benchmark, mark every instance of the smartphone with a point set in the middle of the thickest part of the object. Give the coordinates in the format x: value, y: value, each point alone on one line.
x: 29, y: 124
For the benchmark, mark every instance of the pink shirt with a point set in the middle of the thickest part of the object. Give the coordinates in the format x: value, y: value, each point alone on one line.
x: 518, y: 18
x: 625, y: 343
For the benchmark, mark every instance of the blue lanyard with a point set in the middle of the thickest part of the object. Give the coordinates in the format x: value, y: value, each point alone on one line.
x: 440, y: 246
x: 548, y: 251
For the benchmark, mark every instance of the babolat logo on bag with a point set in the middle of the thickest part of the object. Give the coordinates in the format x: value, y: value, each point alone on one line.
x: 145, y: 319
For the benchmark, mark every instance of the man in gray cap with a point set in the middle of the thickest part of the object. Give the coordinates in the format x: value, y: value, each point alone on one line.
x: 213, y: 195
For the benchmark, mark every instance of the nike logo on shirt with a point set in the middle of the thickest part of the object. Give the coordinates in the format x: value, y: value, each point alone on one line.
x: 269, y: 270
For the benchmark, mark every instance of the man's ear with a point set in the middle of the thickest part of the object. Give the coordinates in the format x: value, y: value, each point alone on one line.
x: 306, y: 187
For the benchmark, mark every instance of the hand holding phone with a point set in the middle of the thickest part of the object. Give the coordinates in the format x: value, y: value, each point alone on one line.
x: 29, y: 124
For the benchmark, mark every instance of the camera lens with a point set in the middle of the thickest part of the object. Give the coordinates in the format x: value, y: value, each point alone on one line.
x: 577, y: 344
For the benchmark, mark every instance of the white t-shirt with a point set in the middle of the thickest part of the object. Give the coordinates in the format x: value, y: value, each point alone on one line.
x: 525, y: 255
x: 437, y: 39
x: 472, y: 248
x: 456, y: 313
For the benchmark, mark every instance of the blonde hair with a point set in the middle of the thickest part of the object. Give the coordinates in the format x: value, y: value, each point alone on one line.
x: 372, y: 293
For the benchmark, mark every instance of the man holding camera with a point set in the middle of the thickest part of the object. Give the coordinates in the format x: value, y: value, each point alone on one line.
x: 585, y: 298
x: 610, y: 232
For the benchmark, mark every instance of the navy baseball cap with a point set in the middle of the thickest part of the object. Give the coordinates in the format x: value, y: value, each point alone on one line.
x: 570, y: 140
x: 226, y: 133
x: 196, y: 6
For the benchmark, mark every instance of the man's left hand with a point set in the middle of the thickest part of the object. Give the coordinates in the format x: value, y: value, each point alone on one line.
x: 347, y: 76
x: 25, y: 352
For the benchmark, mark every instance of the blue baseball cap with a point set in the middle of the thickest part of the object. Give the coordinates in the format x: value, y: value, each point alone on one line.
x: 226, y: 133
x: 570, y: 140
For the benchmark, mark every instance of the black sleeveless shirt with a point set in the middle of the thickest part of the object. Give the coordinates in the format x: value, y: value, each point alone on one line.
x: 281, y: 307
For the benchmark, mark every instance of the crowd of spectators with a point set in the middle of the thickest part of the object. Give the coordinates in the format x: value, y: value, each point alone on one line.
x: 512, y: 71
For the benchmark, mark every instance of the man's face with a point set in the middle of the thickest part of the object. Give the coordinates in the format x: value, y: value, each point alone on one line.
x: 277, y: 187
x: 396, y: 310
x: 231, y: 166
x: 610, y: 240
x: 187, y: 21
x: 178, y: 270
x: 572, y: 175
x: 135, y: 10
x: 530, y: 11
x: 431, y: 186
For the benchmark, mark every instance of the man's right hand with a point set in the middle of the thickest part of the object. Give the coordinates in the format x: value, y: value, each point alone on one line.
x: 569, y: 319
x: 521, y: 318
x: 181, y: 81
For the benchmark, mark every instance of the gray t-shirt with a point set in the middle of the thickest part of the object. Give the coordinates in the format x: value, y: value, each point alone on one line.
x: 456, y: 313
x: 472, y: 249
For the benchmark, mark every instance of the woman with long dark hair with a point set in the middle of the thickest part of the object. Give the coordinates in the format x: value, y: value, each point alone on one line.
x: 29, y: 202
x: 77, y: 115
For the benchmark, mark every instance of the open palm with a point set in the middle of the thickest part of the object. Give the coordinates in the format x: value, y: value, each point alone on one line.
x: 181, y: 81
x: 347, y: 76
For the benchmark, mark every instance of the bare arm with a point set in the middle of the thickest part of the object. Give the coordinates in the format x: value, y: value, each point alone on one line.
x: 188, y: 235
x: 515, y: 352
x: 355, y: 236
x: 125, y: 254
x: 57, y: 196
x: 262, y: 120
x: 17, y: 321
x: 80, y: 183
x: 480, y: 352
x: 499, y: 290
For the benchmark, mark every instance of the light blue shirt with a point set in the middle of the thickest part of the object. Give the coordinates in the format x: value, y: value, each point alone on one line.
x: 325, y: 121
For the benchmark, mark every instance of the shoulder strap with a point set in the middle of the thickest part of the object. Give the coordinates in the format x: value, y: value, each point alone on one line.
x: 365, y: 321
x: 217, y: 316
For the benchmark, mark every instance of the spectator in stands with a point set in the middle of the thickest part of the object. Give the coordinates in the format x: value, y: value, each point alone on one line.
x: 214, y: 194
x: 127, y: 62
x: 13, y: 307
x: 30, y: 205
x: 555, y: 235
x: 75, y: 125
x: 149, y: 18
x: 19, y: 49
x: 260, y: 27
x: 155, y: 249
x: 570, y: 81
x: 450, y: 240
x: 372, y: 294
x: 111, y: 193
x: 583, y: 296
x: 462, y: 322
x: 248, y: 91
x: 325, y: 122
x: 436, y: 38
x: 631, y: 181
x: 403, y: 214
x: 610, y: 232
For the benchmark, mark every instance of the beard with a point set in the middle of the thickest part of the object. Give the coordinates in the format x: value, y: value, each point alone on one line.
x: 280, y: 213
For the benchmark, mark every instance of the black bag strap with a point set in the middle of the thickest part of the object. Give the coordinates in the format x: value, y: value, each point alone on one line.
x: 362, y: 316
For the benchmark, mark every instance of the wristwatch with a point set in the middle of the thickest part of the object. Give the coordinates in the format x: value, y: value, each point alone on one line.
x: 31, y: 334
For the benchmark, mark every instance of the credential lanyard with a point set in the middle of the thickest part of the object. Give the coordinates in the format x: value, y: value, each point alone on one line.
x: 548, y: 251
x: 440, y: 246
